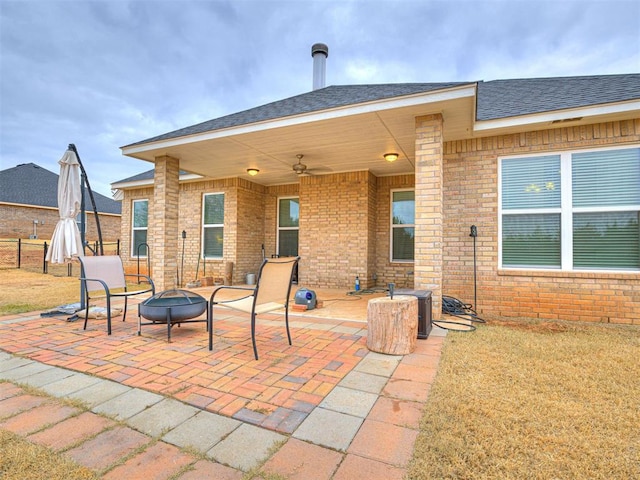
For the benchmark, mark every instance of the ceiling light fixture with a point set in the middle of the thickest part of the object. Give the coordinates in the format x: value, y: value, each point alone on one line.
x: 252, y: 171
x: 391, y: 157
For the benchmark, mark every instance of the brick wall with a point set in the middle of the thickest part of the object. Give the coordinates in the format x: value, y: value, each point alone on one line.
x: 334, y: 229
x: 471, y: 197
x: 17, y: 222
x: 250, y: 229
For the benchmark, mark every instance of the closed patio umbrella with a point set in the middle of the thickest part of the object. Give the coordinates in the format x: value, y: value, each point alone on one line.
x: 66, y: 242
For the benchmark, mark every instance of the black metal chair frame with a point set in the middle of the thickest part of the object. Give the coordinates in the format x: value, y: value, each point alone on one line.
x: 262, y: 298
x: 110, y: 281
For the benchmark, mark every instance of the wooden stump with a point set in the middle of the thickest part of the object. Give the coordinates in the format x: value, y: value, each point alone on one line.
x: 392, y: 325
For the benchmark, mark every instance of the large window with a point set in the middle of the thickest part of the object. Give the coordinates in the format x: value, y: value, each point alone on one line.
x: 139, y: 224
x: 571, y: 210
x: 288, y: 226
x: 213, y: 225
x: 402, y: 225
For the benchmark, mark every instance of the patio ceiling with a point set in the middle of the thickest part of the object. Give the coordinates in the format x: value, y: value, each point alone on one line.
x: 340, y: 140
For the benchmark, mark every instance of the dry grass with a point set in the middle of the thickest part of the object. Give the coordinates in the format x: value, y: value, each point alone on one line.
x: 534, y: 400
x: 21, y: 460
x: 24, y: 291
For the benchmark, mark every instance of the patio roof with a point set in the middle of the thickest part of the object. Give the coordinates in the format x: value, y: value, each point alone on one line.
x: 350, y: 128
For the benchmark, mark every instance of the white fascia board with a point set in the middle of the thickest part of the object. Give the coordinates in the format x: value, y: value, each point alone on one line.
x: 454, y: 93
x: 149, y: 181
x: 548, y: 117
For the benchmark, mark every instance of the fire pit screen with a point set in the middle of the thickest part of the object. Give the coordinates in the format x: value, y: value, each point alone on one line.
x: 172, y: 307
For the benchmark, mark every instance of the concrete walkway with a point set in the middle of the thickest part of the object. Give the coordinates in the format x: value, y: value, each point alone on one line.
x: 364, y: 427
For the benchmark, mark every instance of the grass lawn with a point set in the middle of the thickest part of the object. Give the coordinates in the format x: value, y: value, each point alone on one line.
x: 534, y: 400
x: 25, y: 291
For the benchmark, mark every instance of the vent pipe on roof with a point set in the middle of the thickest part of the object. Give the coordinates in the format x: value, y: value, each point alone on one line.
x: 319, y: 52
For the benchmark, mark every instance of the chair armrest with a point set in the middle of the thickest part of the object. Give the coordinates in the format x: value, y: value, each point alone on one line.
x: 147, y: 277
x: 102, y: 282
x: 248, y: 289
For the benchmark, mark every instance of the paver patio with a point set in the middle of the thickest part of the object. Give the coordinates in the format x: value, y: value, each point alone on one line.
x: 326, y: 391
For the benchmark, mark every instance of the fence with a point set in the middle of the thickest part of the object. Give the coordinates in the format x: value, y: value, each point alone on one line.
x: 30, y: 255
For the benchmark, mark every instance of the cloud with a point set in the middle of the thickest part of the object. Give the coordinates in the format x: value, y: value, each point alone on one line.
x: 103, y: 74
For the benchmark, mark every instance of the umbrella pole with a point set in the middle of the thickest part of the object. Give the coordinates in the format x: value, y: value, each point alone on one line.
x: 83, y: 208
x: 72, y: 147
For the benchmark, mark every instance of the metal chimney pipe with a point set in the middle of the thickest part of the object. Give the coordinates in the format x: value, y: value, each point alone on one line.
x: 319, y: 52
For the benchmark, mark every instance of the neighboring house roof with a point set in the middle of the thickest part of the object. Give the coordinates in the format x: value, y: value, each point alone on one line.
x: 30, y: 184
x: 495, y: 99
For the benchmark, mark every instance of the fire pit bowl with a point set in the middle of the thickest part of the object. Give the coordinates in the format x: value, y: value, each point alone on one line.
x: 172, y: 307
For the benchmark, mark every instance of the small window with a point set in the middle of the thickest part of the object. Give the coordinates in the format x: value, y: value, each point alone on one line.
x: 402, y: 225
x: 213, y: 225
x: 288, y: 226
x: 139, y: 245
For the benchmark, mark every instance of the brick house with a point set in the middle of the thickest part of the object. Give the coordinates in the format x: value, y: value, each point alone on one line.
x: 29, y: 206
x: 548, y: 170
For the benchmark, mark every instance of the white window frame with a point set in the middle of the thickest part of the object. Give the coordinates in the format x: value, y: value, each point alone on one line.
x: 278, y: 227
x: 212, y: 225
x: 403, y: 225
x: 134, y: 253
x: 566, y: 210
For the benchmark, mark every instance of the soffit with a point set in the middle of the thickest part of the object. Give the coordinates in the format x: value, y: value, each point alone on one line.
x: 330, y: 144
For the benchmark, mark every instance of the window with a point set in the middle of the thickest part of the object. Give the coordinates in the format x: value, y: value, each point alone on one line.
x: 213, y: 225
x: 402, y: 225
x: 139, y: 223
x: 571, y: 210
x: 288, y: 226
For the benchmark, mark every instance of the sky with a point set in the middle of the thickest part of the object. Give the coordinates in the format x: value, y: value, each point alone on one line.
x: 103, y: 74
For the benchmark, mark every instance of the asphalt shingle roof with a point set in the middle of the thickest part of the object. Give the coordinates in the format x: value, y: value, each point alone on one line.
x: 495, y: 99
x: 508, y: 98
x: 317, y: 100
x: 30, y: 184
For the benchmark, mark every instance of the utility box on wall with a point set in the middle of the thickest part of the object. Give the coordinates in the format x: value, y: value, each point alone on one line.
x: 424, y: 309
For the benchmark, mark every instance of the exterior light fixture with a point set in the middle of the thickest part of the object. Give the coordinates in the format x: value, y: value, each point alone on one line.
x: 252, y: 171
x: 391, y: 157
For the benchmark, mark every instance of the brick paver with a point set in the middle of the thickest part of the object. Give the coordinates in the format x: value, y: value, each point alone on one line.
x: 298, y: 460
x: 37, y: 417
x: 72, y: 430
x: 384, y: 442
x: 14, y: 405
x: 358, y: 467
x: 158, y: 462
x: 281, y: 392
x: 206, y: 469
x: 292, y: 379
x: 108, y: 448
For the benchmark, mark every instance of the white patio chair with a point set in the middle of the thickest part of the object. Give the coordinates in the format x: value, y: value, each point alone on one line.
x: 105, y: 274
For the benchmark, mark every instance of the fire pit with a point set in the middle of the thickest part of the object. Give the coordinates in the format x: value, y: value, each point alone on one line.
x: 172, y: 307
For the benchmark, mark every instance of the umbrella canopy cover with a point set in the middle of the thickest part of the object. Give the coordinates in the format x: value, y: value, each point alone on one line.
x: 66, y: 243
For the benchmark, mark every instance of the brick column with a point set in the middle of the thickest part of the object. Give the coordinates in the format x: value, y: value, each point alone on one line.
x: 429, y: 208
x: 163, y: 223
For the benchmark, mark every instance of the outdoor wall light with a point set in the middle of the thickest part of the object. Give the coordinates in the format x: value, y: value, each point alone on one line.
x: 252, y: 171
x: 391, y: 157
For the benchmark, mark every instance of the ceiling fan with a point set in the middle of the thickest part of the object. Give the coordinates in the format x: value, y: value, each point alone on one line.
x: 300, y: 168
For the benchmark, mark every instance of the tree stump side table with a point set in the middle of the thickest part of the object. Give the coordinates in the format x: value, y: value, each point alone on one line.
x: 392, y: 324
